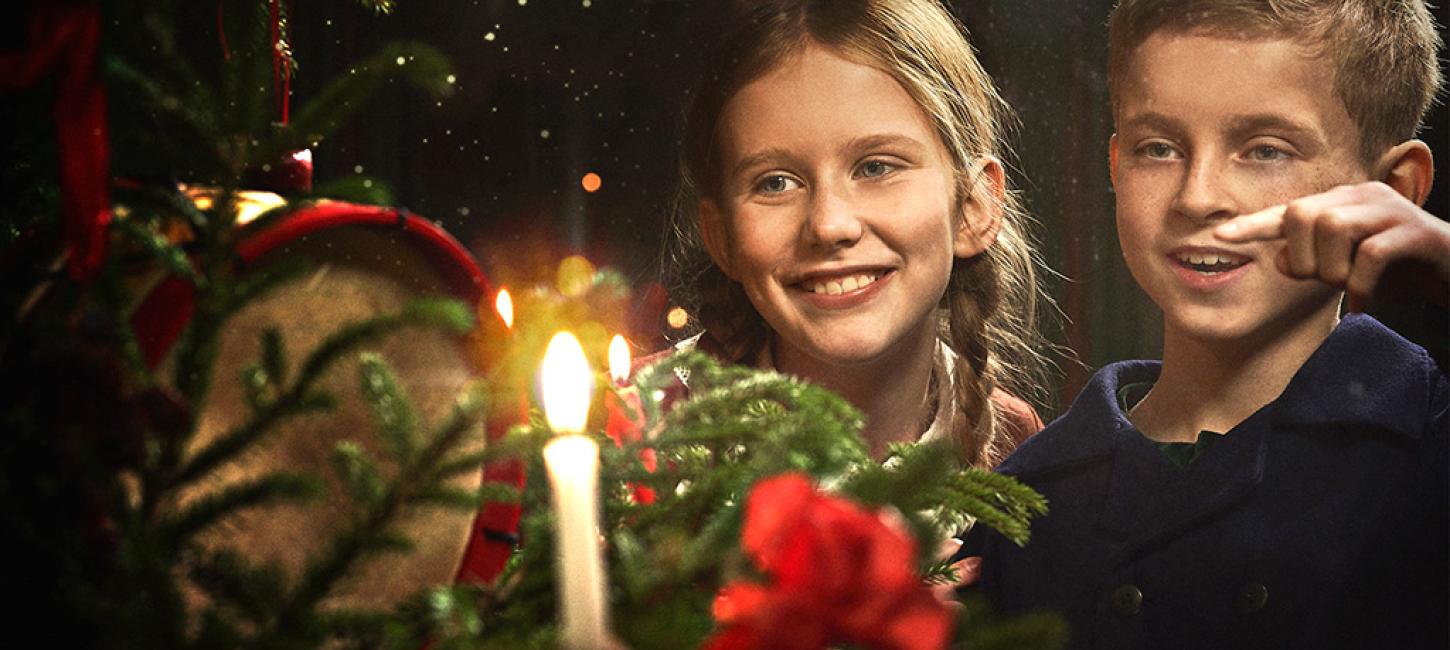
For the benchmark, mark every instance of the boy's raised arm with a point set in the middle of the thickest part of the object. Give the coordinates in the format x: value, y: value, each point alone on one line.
x: 1368, y: 239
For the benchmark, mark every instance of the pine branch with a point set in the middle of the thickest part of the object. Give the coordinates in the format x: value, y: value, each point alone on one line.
x: 370, y: 532
x: 359, y: 476
x: 163, y: 202
x: 390, y: 406
x: 172, y: 258
x: 176, y: 528
x: 939, y: 572
x: 192, y: 113
x: 231, y: 580
x: 421, y: 64
x: 443, y: 314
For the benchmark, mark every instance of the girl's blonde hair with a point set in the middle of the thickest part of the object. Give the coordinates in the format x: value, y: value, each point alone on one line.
x: 992, y: 300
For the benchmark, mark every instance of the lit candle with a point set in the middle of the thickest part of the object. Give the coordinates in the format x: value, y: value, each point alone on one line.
x: 573, y: 462
x: 504, y: 305
x: 619, y: 360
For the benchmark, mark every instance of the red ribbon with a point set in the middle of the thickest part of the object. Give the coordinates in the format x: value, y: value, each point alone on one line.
x: 64, y: 36
x: 281, y: 72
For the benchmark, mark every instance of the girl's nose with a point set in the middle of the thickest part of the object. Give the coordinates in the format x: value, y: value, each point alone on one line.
x: 1203, y: 194
x: 832, y: 222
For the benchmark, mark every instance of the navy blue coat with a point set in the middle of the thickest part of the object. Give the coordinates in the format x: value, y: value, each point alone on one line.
x: 1320, y: 521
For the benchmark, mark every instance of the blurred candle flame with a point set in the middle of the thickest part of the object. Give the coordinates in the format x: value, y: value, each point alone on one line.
x: 619, y: 359
x: 567, y: 382
x: 504, y: 305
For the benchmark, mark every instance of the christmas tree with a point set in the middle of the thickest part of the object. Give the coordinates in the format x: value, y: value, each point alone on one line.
x: 118, y: 442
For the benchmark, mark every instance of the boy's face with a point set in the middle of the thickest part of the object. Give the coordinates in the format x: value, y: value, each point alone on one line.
x: 1209, y: 128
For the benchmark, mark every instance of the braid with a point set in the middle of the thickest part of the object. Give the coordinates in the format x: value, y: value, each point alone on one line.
x: 972, y: 298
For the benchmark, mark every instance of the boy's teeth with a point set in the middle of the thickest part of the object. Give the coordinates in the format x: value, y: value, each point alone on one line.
x: 843, y: 285
x: 1211, y: 262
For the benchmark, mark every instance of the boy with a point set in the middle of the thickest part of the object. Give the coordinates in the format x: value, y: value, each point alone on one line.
x: 1280, y: 479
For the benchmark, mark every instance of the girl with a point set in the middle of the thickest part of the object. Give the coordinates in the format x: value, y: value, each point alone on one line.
x: 844, y: 218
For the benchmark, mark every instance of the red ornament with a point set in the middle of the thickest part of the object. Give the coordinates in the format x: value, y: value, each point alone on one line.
x: 292, y: 174
x: 625, y: 426
x: 839, y: 574
x: 64, y: 37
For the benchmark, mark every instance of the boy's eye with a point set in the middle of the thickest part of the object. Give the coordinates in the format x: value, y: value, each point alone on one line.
x: 775, y: 184
x: 1157, y: 150
x: 875, y: 168
x: 1264, y: 153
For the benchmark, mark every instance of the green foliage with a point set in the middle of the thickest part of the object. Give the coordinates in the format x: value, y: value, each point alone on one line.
x: 737, y: 426
x: 106, y: 489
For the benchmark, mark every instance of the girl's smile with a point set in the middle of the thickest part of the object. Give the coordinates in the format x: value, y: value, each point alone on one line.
x: 837, y: 213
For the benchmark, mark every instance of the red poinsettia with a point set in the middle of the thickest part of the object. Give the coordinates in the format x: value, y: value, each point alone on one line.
x: 837, y: 574
x: 624, y: 426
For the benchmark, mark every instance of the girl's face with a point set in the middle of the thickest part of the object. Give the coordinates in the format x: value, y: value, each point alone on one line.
x: 836, y: 210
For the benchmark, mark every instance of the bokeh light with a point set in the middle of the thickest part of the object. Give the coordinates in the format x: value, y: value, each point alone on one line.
x: 677, y: 318
x: 591, y: 182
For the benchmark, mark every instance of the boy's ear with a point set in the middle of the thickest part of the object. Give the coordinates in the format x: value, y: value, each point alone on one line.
x: 713, y: 236
x: 1113, y: 160
x: 981, y: 208
x: 1409, y: 167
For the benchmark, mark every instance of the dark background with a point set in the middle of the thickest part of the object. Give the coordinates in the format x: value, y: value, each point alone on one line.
x: 550, y: 90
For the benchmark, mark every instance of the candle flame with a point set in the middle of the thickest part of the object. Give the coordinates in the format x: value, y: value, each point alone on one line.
x: 567, y: 383
x: 619, y: 359
x: 504, y: 305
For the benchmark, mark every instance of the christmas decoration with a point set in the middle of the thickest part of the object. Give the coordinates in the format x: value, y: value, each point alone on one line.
x: 723, y: 500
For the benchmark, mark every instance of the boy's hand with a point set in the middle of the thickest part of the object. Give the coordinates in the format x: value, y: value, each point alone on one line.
x: 969, y: 569
x: 1367, y: 239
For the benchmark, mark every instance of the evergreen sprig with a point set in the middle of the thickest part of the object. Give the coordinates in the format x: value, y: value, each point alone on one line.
x: 726, y: 430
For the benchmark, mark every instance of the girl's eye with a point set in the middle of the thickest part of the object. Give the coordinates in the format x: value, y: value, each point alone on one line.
x: 876, y: 168
x: 1267, y: 153
x: 776, y: 184
x: 1157, y: 150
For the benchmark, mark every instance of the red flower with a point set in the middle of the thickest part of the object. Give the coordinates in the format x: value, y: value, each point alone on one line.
x: 838, y: 574
x: 624, y: 426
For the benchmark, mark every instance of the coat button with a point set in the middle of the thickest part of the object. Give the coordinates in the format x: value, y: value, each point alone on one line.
x: 1252, y: 598
x: 1127, y: 600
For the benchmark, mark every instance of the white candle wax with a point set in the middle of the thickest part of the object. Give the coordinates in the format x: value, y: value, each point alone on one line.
x: 573, y: 462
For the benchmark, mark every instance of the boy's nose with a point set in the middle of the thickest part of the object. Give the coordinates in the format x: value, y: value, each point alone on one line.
x: 831, y: 222
x: 1202, y: 195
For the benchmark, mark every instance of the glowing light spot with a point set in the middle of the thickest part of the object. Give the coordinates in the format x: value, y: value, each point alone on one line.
x: 357, y: 169
x: 575, y: 276
x: 591, y: 182
x: 504, y: 305
x: 619, y: 359
x: 677, y: 318
x: 489, y: 36
x: 567, y: 383
x: 401, y: 60
x: 452, y: 79
x: 544, y: 134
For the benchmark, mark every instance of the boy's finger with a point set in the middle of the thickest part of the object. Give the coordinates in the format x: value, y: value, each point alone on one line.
x: 1336, y: 233
x: 1255, y: 226
x: 969, y: 571
x: 1299, y: 231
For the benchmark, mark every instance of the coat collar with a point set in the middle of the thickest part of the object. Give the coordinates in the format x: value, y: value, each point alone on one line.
x: 1363, y: 373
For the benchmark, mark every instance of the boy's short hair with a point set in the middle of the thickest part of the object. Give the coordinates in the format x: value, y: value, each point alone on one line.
x: 1383, y: 51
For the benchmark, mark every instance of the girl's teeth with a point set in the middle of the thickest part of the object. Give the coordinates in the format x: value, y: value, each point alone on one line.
x: 838, y: 287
